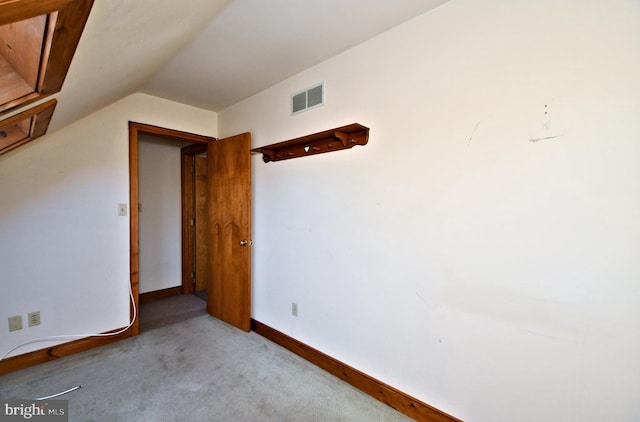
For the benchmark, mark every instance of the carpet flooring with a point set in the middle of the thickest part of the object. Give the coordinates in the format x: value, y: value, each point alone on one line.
x: 170, y: 310
x: 197, y: 369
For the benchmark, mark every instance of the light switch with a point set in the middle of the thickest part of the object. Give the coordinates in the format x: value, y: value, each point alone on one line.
x: 122, y: 210
x: 15, y: 323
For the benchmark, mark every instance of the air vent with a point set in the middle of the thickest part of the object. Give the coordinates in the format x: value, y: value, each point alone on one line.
x: 307, y: 99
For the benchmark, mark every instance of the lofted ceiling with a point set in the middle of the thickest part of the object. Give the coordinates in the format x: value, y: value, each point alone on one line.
x: 213, y: 53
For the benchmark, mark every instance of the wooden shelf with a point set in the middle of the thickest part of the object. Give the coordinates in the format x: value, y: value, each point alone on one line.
x: 337, y: 139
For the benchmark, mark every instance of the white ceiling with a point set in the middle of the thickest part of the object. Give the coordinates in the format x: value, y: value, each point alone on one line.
x: 213, y: 53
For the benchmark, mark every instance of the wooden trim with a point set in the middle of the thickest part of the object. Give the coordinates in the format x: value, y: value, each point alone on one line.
x: 36, y: 357
x: 69, y: 25
x: 400, y: 401
x: 13, y: 10
x: 10, y: 106
x: 160, y: 294
x: 134, y: 129
x: 40, y: 116
x: 195, y: 149
x: 170, y: 133
x: 134, y: 218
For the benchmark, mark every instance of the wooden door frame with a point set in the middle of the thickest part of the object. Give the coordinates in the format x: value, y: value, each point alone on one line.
x: 135, y: 129
x: 187, y: 170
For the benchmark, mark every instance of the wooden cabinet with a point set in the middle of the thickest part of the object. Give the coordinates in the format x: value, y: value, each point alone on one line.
x: 26, y: 126
x: 37, y: 42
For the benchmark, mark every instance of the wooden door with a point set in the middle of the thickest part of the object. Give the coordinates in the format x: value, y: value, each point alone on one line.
x: 195, y: 220
x: 229, y: 292
x: 201, y: 235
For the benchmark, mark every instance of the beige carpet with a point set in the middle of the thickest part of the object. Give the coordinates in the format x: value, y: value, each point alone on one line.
x: 198, y: 369
x: 169, y: 310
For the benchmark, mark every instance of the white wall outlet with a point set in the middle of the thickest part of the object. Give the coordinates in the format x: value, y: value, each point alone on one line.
x: 33, y: 318
x: 294, y: 309
x: 15, y: 323
x: 122, y: 210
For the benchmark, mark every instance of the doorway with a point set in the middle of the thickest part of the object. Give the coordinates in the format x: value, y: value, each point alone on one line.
x: 227, y: 225
x: 162, y: 209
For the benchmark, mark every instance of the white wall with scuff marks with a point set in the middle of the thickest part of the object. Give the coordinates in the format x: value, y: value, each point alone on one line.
x: 478, y: 254
x: 64, y: 249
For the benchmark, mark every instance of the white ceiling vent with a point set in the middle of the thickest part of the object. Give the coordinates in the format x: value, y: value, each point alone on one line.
x: 309, y: 98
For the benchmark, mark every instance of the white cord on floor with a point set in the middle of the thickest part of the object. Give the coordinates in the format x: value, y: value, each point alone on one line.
x: 72, y: 336
x: 59, y: 394
x: 75, y: 336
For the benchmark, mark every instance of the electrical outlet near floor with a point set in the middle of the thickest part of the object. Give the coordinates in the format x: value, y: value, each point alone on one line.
x: 294, y: 309
x: 15, y: 323
x: 34, y: 318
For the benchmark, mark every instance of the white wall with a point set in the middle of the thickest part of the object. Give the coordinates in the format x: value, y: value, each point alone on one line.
x: 64, y: 251
x: 493, y: 277
x: 161, y: 217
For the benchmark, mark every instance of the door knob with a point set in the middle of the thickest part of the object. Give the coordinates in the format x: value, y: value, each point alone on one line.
x: 244, y: 242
